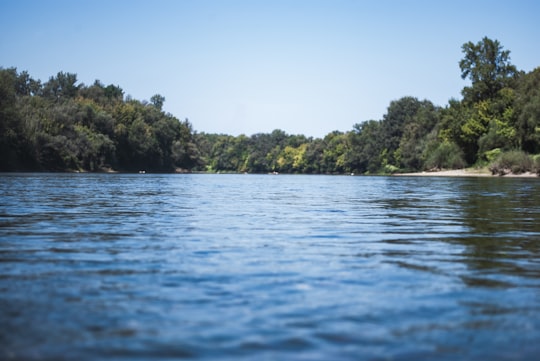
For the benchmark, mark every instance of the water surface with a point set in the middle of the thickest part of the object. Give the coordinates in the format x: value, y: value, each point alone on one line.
x: 233, y: 267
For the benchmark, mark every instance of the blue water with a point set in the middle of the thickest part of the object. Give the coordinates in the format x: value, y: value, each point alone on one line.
x: 262, y: 267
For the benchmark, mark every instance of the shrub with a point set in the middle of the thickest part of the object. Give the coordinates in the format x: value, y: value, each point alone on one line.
x: 446, y: 156
x: 515, y: 161
x: 536, y: 164
x: 492, y: 155
x: 390, y: 169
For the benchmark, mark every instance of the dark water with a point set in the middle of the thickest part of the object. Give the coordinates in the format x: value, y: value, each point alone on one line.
x: 236, y: 267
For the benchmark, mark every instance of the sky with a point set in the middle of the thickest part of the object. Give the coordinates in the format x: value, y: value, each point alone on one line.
x: 244, y: 67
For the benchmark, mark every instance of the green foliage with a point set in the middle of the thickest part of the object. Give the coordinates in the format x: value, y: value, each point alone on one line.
x: 390, y: 169
x: 65, y: 125
x: 528, y: 112
x: 501, y: 130
x: 397, y: 142
x: 488, y: 116
x: 536, y: 164
x: 415, y: 136
x: 445, y: 155
x: 488, y: 67
x: 515, y: 161
x: 493, y: 154
x: 61, y: 87
x: 366, y: 147
x: 334, y: 153
x: 158, y: 101
x: 399, y: 115
x: 10, y: 125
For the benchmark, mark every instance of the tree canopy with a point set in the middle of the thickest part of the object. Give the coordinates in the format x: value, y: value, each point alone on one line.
x: 64, y: 125
x: 488, y: 67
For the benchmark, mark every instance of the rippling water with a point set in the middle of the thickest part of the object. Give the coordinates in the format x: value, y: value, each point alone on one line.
x: 232, y: 267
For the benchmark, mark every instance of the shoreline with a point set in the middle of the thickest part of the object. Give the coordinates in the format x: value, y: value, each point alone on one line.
x: 465, y: 173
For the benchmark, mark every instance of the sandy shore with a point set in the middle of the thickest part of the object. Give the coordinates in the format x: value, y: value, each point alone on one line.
x: 465, y: 173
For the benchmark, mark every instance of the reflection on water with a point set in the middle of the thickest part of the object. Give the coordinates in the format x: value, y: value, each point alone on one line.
x: 101, y: 266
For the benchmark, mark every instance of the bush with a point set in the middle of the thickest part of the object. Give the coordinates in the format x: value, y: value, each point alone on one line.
x: 536, y: 164
x: 390, y: 169
x: 515, y: 161
x: 492, y: 155
x: 446, y: 156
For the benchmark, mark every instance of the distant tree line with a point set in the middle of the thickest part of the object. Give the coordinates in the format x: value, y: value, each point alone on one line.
x: 62, y: 125
x: 495, y: 124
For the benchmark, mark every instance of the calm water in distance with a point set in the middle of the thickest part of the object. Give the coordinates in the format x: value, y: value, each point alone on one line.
x: 262, y: 267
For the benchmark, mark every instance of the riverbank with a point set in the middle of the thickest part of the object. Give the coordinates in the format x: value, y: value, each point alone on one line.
x: 469, y: 172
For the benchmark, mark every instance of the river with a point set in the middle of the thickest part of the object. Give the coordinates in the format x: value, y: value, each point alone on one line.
x: 264, y: 267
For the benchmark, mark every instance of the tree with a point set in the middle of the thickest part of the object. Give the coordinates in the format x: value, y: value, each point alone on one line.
x: 488, y: 67
x: 61, y: 87
x: 486, y: 117
x: 143, y: 145
x: 291, y: 159
x: 95, y: 92
x: 528, y: 111
x: 9, y: 119
x: 185, y: 153
x: 444, y: 155
x: 25, y: 85
x: 499, y: 113
x: 335, y: 152
x: 113, y: 92
x: 65, y: 126
x: 402, y: 116
x: 313, y: 157
x: 414, y: 138
x: 158, y: 101
x: 260, y: 146
x: 366, y: 147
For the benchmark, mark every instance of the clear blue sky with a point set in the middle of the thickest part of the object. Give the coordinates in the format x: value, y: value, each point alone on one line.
x: 306, y: 67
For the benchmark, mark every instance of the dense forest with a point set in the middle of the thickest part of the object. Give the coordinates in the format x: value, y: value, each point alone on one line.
x: 61, y: 125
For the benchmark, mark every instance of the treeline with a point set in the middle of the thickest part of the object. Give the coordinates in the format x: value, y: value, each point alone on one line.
x: 62, y: 125
x: 495, y: 124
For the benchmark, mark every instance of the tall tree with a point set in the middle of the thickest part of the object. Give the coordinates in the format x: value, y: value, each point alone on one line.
x: 488, y: 67
x: 366, y: 147
x: 158, y: 101
x: 400, y: 114
x: 62, y: 86
x: 9, y: 120
x: 528, y: 108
